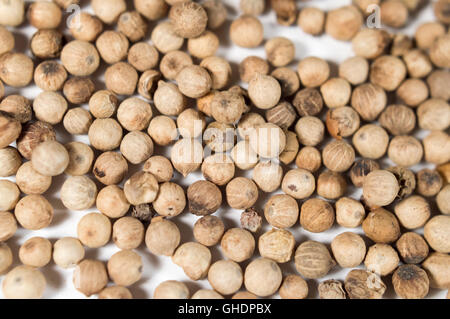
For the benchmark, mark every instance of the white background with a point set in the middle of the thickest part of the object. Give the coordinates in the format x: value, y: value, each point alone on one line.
x: 158, y: 269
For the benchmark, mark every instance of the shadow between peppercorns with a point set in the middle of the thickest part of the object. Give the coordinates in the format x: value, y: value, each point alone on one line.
x: 53, y: 276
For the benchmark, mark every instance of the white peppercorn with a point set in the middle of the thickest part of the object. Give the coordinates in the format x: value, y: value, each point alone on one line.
x: 36, y: 252
x: 78, y: 193
x: 355, y: 70
x: 338, y: 156
x: 298, y: 183
x: 371, y: 141
x: 50, y: 76
x: 277, y: 244
x: 331, y: 185
x: 363, y: 284
x: 68, y: 252
x: 309, y: 158
x: 109, y: 11
x: 141, y: 188
x: 80, y: 58
x: 111, y: 201
x: 162, y: 237
x: 238, y: 244
x: 94, y: 230
x: 77, y: 121
x: 189, y: 19
x: 16, y: 69
x: 165, y: 38
x: 171, y: 289
x: 90, y: 277
x: 23, y: 282
x: 6, y: 258
x: 112, y: 46
x: 125, y: 267
x: 262, y: 277
x: 313, y: 260
x: 436, y: 232
x: 34, y: 212
x: 241, y: 193
x: 194, y: 81
x: 381, y: 226
x: 405, y: 151
x: 369, y: 100
x: 247, y: 31
x: 225, y: 276
x: 8, y: 226
x: 310, y: 130
x: 194, y: 258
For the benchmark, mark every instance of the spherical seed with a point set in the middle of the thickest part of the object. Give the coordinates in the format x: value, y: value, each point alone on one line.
x: 247, y: 31
x: 313, y: 260
x: 380, y: 188
x: 381, y: 226
x: 241, y: 193
x: 262, y: 277
x: 34, y: 212
x: 68, y: 252
x: 80, y: 58
x: 94, y: 230
x: 298, y: 183
x: 162, y: 237
x: 338, y: 156
x: 23, y: 282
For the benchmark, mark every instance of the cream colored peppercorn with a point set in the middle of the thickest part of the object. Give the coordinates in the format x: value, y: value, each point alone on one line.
x: 18, y: 107
x: 313, y: 71
x: 90, y: 277
x: 170, y: 201
x: 219, y: 137
x: 398, y: 119
x: 343, y: 23
x: 380, y: 188
x: 194, y: 258
x: 6, y: 258
x: 280, y: 51
x: 370, y: 43
x: 141, y: 188
x: 331, y: 289
x: 417, y: 63
x: 103, y: 104
x: 80, y: 58
x: 162, y: 237
x: 8, y: 226
x: 165, y: 38
x: 186, y: 155
x: 105, y: 134
x: 160, y: 167
x: 298, y: 183
x: 252, y: 65
x: 262, y: 277
x: 50, y: 76
x: 77, y: 121
x: 342, y: 121
x: 225, y: 276
x: 309, y: 158
x: 78, y: 193
x: 355, y: 70
x: 268, y: 175
x: 436, y: 232
x: 241, y: 193
x: 434, y: 114
x: 162, y: 130
x: 349, y: 212
x: 78, y: 90
x: 267, y: 140
x: 10, y: 161
x: 331, y: 185
x: 12, y: 12
x: 381, y: 226
x: 125, y: 267
x: 50, y: 107
x: 132, y: 25
x: 388, y: 72
x: 247, y: 31
x: 429, y: 182
x: 436, y: 147
x: 24, y: 282
x: 136, y: 147
x: 412, y: 247
x: 371, y: 141
x: 30, y: 181
x: 191, y: 123
x: 291, y: 150
x: 143, y: 56
x: 94, y: 230
x: 189, y: 19
x: 44, y: 15
x: 218, y: 168
x: 110, y: 168
x: 194, y: 81
x: 349, y: 249
x: 281, y: 211
x: 363, y: 284
x: 293, y: 287
x: 316, y: 215
x: 216, y: 11
x: 111, y: 201
x: 115, y: 292
x: 311, y: 20
x: 121, y: 78
x: 36, y: 252
x: 46, y: 44
x: 288, y: 78
x: 208, y: 230
x: 405, y: 151
x: 147, y: 83
x: 34, y: 212
x: 112, y: 46
x: 436, y: 82
x: 360, y: 169
x: 171, y: 289
x: 238, y: 244
x: 369, y: 100
x: 442, y: 200
x: 336, y: 92
x: 220, y: 71
x: 439, y: 51
x: 16, y: 69
x: 68, y: 252
x: 244, y: 156
x: 313, y: 260
x: 10, y: 196
x: 338, y: 156
x: 276, y: 244
x: 248, y: 123
x: 310, y: 130
x: 382, y: 259
x: 50, y: 158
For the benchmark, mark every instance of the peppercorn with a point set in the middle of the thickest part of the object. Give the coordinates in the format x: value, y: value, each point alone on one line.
x: 132, y: 25
x: 288, y: 79
x: 219, y: 69
x: 250, y: 220
x: 23, y: 282
x: 316, y: 215
x: 436, y: 147
x: 33, y: 212
x: 313, y: 260
x: 343, y: 23
x: 286, y: 11
x: 381, y: 259
x: 437, y: 268
x: 338, y: 156
x: 380, y: 188
x: 349, y: 212
x: 293, y: 287
x: 369, y: 100
x: 417, y: 63
x: 238, y: 244
x: 110, y: 168
x: 247, y: 31
x: 125, y: 267
x: 276, y: 244
x: 147, y: 83
x: 50, y: 107
x: 267, y: 175
x: 36, y: 252
x: 86, y: 28
x: 436, y: 81
x: 194, y: 258
x: 244, y: 156
x: 105, y: 134
x: 363, y: 284
x: 298, y: 183
x: 206, y: 294
x: 121, y: 78
x: 12, y: 13
x: 412, y: 248
x: 436, y: 232
x: 309, y: 158
x: 81, y: 157
x: 165, y: 38
x: 248, y: 123
x: 80, y: 58
x: 406, y: 180
x: 16, y: 69
x: 78, y: 193
x: 244, y: 295
x: 410, y: 282
x: 349, y: 249
x: 262, y: 277
x: 151, y: 9
x: 77, y: 121
x: 6, y: 258
x: 405, y: 151
x: 109, y: 11
x: 401, y: 44
x: 394, y: 13
x: 68, y: 252
x: 162, y: 237
x: 8, y: 226
x: 112, y: 46
x: 216, y: 11
x: 171, y: 289
x: 291, y: 150
x: 355, y: 70
x: 220, y: 137
x: 381, y: 226
x: 46, y: 44
x: 111, y: 201
x: 90, y: 277
x: 342, y: 121
x: 398, y: 119
x: 267, y: 140
x: 434, y: 114
x: 388, y: 72
x: 331, y: 289
x: 313, y: 71
x: 311, y: 20
x: 225, y: 276
x: 439, y: 51
x: 50, y: 76
x: 218, y: 168
x: 115, y: 292
x: 442, y: 200
x: 44, y: 15
x: 252, y: 7
x: 186, y: 155
x: 331, y: 185
x: 136, y: 147
x: 30, y: 181
x: 10, y: 161
x: 310, y: 130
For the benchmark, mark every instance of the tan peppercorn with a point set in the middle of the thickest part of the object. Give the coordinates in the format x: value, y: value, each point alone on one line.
x: 44, y: 15
x: 442, y: 200
x: 309, y: 158
x: 10, y: 161
x: 267, y: 175
x: 293, y: 287
x: 244, y: 295
x: 316, y: 215
x: 349, y: 212
x: 413, y: 92
x: 186, y: 155
x: 286, y: 11
x: 363, y: 284
x: 203, y: 46
x: 80, y: 58
x: 381, y: 226
x: 121, y: 78
x: 125, y: 267
x: 194, y: 81
x: 143, y: 56
x: 50, y: 76
x: 280, y: 51
x: 7, y: 41
x: 50, y: 107
x: 50, y: 158
x: 437, y: 268
x: 191, y: 123
x: 105, y: 134
x: 111, y: 201
x: 298, y: 183
x: 238, y: 244
x: 429, y: 182
x: 355, y: 70
x: 349, y: 249
x: 220, y: 137
x: 78, y: 90
x: 46, y: 44
x: 436, y: 147
x: 281, y: 211
x: 218, y: 168
x: 291, y: 150
x: 412, y: 248
x: 342, y: 121
x: 398, y: 119
x: 112, y: 46
x: 16, y: 69
x: 68, y: 252
x: 252, y: 65
x: 394, y: 13
x: 248, y: 123
x: 18, y: 107
x: 208, y: 230
x: 216, y: 11
x: 36, y: 252
x: 369, y: 100
x: 168, y: 99
x: 267, y: 140
x: 310, y: 130
x: 406, y: 180
x: 343, y: 23
x: 8, y: 226
x: 94, y: 230
x: 30, y: 181
x: 251, y: 220
x: 427, y: 33
x: 360, y: 169
x: 78, y: 193
x: 141, y: 188
x: 160, y: 167
x: 405, y: 151
x: 388, y: 72
x: 288, y: 79
x: 313, y: 260
x: 380, y: 188
x: 23, y: 282
x: 417, y: 63
x: 434, y: 114
x: 171, y: 289
x: 132, y: 25
x: 276, y: 244
x: 331, y: 185
x: 147, y: 83
x: 162, y: 237
x: 262, y: 277
x: 103, y: 104
x: 313, y: 71
x: 225, y: 276
x: 247, y: 31
x: 77, y: 121
x: 219, y: 69
x: 401, y: 44
x: 244, y: 156
x: 381, y: 259
x: 6, y: 258
x: 110, y: 168
x: 151, y: 9
x: 194, y: 258
x: 10, y: 196
x: 370, y: 43
x: 115, y: 292
x: 165, y: 39
x: 206, y: 294
x: 204, y: 198
x: 189, y: 19
x: 410, y: 282
x: 436, y: 232
x: 241, y: 193
x: 264, y: 91
x: 331, y: 289
x: 34, y: 212
x: 436, y: 82
x: 170, y: 201
x: 12, y: 13
x: 439, y: 51
x: 136, y: 147
x: 90, y: 277
x: 85, y: 27
x: 338, y: 156
x: 311, y: 20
